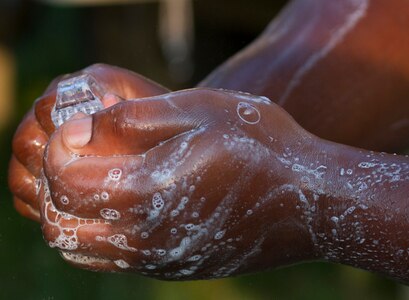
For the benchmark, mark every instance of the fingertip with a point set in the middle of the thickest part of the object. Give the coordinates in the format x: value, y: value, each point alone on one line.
x: 26, y: 210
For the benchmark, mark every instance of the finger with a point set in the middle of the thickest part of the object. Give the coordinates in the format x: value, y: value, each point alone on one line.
x: 42, y: 110
x: 90, y: 237
x: 123, y: 82
x: 139, y: 198
x: 44, y: 104
x: 92, y: 263
x: 29, y: 144
x: 83, y: 177
x: 22, y: 183
x: 133, y: 190
x: 119, y: 188
x: 79, y: 235
x: 131, y: 127
x: 26, y: 210
x: 98, y: 187
x: 115, y: 80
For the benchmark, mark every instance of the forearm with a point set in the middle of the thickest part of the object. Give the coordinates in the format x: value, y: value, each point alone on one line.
x: 327, y: 64
x: 339, y: 204
x: 363, y: 212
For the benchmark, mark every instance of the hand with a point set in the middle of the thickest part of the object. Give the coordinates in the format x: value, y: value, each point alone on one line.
x: 33, y: 133
x: 176, y: 187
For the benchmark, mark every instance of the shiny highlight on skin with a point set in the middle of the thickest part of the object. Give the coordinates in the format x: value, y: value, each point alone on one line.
x: 339, y: 68
x: 203, y: 193
x: 205, y: 183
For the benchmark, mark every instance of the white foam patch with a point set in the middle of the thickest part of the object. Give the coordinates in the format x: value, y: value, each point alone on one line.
x: 110, y: 214
x: 120, y: 241
x: 121, y: 263
x: 83, y: 259
x: 67, y: 238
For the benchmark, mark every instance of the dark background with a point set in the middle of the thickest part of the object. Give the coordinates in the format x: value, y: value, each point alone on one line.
x: 39, y: 41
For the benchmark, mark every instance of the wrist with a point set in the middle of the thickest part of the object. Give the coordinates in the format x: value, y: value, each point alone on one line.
x: 295, y: 180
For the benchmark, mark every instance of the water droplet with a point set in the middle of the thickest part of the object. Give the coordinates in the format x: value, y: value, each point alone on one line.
x: 64, y: 200
x: 184, y: 200
x: 194, y: 258
x: 121, y: 263
x: 219, y: 235
x: 189, y: 226
x: 161, y: 252
x: 366, y: 165
x: 115, y: 174
x: 248, y: 113
x: 38, y: 186
x: 334, y: 219
x: 110, y: 214
x: 157, y: 201
x: 104, y: 196
x: 150, y: 267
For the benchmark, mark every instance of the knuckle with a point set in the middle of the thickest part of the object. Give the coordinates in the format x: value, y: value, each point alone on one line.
x: 97, y: 67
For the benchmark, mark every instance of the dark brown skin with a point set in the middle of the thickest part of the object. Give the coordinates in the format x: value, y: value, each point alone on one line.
x: 238, y: 187
x: 365, y: 120
x: 340, y: 68
x: 267, y: 193
x: 33, y: 133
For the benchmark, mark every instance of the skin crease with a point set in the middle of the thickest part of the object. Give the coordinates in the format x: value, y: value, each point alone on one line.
x: 33, y: 133
x: 303, y: 211
x: 340, y: 68
x: 320, y: 109
x: 250, y: 192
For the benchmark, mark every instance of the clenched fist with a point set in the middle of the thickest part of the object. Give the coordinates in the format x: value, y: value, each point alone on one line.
x: 36, y: 127
x: 202, y: 183
x: 174, y: 186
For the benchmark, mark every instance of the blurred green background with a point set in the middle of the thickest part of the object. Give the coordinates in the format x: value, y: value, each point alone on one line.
x: 39, y: 41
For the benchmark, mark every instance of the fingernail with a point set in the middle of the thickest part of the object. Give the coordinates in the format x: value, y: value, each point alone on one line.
x: 77, y: 132
x: 110, y: 99
x: 78, y: 115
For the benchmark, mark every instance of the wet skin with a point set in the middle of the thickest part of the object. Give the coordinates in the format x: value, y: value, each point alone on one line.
x: 238, y: 187
x: 320, y: 61
x: 340, y: 68
x: 265, y: 194
x: 33, y: 133
x: 204, y: 184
